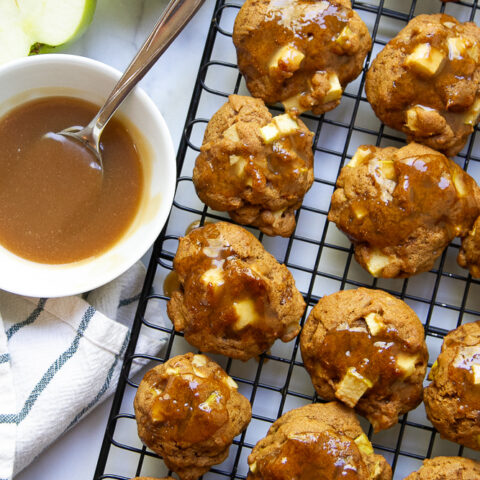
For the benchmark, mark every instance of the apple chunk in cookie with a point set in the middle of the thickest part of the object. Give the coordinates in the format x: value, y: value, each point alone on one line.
x: 233, y: 297
x: 256, y: 167
x: 402, y: 207
x: 188, y: 410
x: 366, y: 348
x: 33, y: 23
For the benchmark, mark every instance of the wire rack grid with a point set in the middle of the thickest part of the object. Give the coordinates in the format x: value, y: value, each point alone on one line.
x: 317, y: 254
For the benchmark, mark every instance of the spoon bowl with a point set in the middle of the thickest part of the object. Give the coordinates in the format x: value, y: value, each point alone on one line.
x: 85, y: 135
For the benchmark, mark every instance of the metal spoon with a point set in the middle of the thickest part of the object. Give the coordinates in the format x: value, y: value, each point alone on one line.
x: 175, y: 16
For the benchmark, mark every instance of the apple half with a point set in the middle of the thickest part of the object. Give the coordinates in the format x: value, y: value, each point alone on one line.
x: 31, y: 24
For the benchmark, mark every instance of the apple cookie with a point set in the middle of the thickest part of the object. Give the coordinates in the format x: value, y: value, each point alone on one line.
x: 299, y: 52
x: 188, y: 410
x: 402, y: 207
x: 447, y: 468
x: 317, y: 442
x: 367, y: 349
x: 469, y: 254
x: 255, y: 167
x: 233, y: 297
x: 426, y: 82
x: 452, y: 400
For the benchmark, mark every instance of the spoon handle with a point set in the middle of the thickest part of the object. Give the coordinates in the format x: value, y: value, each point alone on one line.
x: 175, y: 16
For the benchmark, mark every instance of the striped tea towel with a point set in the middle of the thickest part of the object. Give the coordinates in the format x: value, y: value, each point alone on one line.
x: 58, y: 359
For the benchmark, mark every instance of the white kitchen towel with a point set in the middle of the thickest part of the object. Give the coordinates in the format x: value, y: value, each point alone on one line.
x: 59, y: 358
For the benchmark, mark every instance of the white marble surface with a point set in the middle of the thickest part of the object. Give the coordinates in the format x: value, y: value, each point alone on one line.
x: 118, y: 30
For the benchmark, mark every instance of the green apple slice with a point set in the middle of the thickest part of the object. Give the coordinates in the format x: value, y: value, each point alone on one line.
x: 25, y: 23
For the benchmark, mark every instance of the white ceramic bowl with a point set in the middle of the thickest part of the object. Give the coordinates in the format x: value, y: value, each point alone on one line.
x: 56, y: 74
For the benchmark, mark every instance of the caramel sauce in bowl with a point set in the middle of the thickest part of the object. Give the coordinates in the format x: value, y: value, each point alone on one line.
x: 57, y: 75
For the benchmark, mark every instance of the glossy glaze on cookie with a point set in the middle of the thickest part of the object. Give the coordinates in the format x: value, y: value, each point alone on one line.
x: 367, y: 349
x: 254, y: 166
x: 234, y: 298
x: 319, y: 441
x: 300, y: 52
x: 402, y: 207
x: 188, y: 410
x: 426, y: 82
x: 452, y: 400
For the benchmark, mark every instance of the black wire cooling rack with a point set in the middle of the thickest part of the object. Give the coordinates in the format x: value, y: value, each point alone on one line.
x: 319, y: 257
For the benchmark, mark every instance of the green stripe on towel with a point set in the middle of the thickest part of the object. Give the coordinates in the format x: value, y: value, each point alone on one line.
x: 50, y: 373
x: 31, y: 318
x: 104, y: 386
